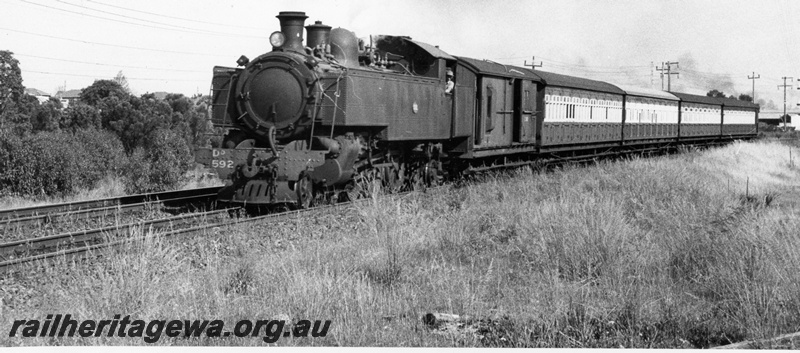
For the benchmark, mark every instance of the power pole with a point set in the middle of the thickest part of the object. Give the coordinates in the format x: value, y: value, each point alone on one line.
x: 784, y: 85
x: 754, y: 77
x: 669, y: 73
x: 533, y: 64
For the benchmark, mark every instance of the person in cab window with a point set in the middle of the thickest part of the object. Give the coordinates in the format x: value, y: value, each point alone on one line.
x: 448, y: 88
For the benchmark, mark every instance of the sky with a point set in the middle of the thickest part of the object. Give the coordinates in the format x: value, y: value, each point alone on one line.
x: 172, y: 46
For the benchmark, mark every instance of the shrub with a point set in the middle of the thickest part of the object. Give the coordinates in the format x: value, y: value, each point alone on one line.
x: 43, y: 163
x: 137, y: 173
x: 160, y: 165
x: 103, y: 151
x: 57, y: 163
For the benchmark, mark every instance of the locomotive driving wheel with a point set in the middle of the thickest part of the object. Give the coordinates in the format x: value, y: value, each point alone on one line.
x: 305, y: 191
x: 426, y: 176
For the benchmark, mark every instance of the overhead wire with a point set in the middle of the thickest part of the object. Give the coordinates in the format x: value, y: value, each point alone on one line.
x: 159, y: 25
x: 627, y: 70
x: 111, y: 65
x: 114, y: 45
x: 172, y: 17
x: 609, y: 70
x: 111, y: 45
x: 95, y: 76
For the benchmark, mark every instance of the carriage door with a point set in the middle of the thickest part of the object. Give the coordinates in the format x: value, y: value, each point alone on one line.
x: 524, y: 101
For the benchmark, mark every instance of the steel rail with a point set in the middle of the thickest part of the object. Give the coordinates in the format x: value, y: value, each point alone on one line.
x: 11, y: 248
x: 23, y: 212
x: 87, y: 213
x: 84, y: 251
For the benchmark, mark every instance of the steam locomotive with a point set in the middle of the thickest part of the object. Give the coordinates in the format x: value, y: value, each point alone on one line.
x: 337, y: 115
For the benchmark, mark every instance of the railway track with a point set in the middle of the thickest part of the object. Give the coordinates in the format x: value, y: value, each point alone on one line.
x: 27, y: 216
x: 86, y: 243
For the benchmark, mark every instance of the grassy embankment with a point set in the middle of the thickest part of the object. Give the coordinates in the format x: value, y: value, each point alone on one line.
x: 674, y: 251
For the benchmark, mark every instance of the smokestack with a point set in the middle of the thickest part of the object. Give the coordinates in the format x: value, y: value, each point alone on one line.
x: 292, y: 27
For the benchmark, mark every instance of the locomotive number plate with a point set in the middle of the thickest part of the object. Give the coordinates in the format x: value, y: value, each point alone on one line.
x: 221, y: 159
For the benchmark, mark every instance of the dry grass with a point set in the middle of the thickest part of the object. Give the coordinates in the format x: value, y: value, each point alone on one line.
x: 660, y: 252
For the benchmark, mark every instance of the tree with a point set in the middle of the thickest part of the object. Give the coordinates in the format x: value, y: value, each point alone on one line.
x: 745, y: 97
x: 47, y: 116
x: 158, y: 165
x: 80, y: 116
x: 716, y: 94
x: 11, y: 88
x: 178, y: 102
x: 200, y: 122
x: 182, y: 115
x: 123, y: 82
x: 15, y: 106
x: 133, y: 119
x: 16, y: 117
x: 100, y: 89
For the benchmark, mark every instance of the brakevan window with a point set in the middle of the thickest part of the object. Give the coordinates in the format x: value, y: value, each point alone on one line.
x: 489, y: 104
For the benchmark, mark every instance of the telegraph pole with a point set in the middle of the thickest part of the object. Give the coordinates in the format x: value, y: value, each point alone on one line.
x: 754, y: 77
x: 784, y: 85
x: 669, y: 73
x: 533, y: 63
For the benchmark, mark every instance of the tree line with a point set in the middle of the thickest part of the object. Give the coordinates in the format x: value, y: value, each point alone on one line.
x: 51, y: 150
x: 719, y: 94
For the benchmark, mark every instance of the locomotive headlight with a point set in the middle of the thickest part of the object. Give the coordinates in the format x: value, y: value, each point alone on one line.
x: 277, y: 39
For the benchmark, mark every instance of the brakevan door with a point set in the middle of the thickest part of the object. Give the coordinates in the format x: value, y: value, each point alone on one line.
x: 496, y: 111
x: 524, y: 103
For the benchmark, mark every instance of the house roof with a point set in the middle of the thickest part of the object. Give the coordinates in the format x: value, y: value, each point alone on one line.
x: 73, y: 93
x: 36, y: 92
x: 160, y: 95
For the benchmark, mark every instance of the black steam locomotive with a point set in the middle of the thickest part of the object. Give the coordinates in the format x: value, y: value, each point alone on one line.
x: 338, y: 116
